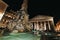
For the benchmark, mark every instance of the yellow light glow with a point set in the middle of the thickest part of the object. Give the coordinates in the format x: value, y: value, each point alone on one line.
x: 57, y: 28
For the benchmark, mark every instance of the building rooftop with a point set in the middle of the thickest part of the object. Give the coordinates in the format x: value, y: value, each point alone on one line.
x: 41, y: 18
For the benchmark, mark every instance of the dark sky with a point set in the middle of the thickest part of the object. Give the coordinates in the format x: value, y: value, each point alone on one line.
x: 36, y: 7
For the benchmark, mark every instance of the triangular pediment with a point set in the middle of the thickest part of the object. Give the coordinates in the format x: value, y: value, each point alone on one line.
x: 41, y: 18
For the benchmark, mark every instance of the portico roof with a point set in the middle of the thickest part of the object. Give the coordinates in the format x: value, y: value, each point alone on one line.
x: 41, y: 18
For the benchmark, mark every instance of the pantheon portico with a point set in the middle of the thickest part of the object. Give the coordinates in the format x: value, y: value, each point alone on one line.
x: 42, y: 23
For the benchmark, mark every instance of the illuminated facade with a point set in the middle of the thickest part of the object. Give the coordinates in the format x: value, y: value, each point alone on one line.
x: 17, y: 20
x: 20, y: 21
x: 57, y: 27
x: 42, y: 23
x: 3, y: 7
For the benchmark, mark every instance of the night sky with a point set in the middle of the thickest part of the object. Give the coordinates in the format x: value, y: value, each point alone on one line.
x: 36, y: 7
